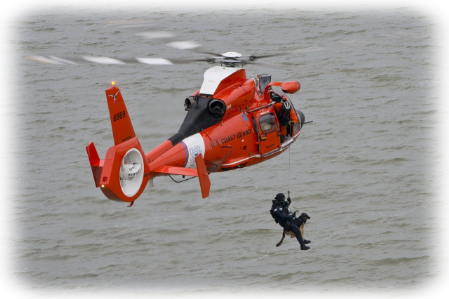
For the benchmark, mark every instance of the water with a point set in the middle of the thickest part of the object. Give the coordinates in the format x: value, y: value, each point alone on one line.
x: 364, y: 170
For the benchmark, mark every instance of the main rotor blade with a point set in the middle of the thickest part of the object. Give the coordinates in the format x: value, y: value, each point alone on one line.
x: 133, y: 26
x: 275, y: 66
x: 255, y: 57
x: 184, y: 45
x: 210, y: 53
x: 117, y: 61
x: 156, y: 34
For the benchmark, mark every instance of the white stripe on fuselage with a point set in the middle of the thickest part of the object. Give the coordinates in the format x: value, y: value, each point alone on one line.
x: 195, y: 145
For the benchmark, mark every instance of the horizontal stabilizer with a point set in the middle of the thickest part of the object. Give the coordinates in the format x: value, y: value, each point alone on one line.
x: 177, y: 170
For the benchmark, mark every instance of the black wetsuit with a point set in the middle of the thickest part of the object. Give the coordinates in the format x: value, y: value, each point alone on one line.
x: 288, y: 222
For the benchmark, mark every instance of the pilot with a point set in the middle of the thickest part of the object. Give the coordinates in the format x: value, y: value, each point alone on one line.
x: 285, y: 113
x: 281, y: 214
x: 265, y: 126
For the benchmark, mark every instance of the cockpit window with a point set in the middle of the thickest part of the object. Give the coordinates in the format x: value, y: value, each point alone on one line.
x: 268, y: 123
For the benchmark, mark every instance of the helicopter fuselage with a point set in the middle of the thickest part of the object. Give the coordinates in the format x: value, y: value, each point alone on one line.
x: 231, y: 123
x: 239, y: 139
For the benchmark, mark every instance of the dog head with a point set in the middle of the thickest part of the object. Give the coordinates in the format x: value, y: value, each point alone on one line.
x: 304, y: 217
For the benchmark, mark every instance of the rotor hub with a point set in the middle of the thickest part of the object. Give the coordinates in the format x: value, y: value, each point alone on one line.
x: 231, y: 55
x: 231, y: 59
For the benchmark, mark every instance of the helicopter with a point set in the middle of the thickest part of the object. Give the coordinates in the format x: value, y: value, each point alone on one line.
x: 231, y: 123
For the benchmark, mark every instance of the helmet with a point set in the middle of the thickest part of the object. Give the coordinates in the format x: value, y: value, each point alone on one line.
x: 280, y: 196
x: 275, y: 97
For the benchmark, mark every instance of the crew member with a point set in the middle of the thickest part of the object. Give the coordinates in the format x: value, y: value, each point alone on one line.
x: 281, y: 215
x: 285, y: 113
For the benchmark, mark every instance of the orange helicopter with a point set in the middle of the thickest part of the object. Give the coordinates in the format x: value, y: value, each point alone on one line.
x: 232, y: 122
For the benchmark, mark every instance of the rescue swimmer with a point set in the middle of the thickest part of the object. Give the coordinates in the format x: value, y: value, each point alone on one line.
x: 293, y: 227
x: 285, y: 114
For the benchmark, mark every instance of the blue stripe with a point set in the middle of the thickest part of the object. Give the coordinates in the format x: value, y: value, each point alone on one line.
x: 187, y: 153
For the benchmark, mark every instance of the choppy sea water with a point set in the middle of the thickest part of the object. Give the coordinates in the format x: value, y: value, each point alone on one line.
x: 364, y: 170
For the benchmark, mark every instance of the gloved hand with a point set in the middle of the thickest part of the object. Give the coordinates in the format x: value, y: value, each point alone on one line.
x: 291, y: 122
x: 289, y: 200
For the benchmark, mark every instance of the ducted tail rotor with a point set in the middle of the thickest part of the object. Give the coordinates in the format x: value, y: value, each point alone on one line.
x: 131, y: 172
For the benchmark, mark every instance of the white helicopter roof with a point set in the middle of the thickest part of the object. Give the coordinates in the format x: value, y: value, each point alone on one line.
x: 214, y: 76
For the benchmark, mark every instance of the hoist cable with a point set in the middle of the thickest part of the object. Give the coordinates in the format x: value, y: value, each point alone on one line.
x: 288, y: 190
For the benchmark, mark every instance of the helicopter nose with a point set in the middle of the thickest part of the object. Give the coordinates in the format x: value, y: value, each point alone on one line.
x: 302, y: 117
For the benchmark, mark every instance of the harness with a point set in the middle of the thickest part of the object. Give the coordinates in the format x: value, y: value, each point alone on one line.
x: 278, y: 207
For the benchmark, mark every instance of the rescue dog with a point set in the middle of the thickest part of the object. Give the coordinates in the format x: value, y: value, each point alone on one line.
x: 300, y: 222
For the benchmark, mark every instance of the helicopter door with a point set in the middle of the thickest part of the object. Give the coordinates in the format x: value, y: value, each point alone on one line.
x: 257, y: 136
x: 269, y: 138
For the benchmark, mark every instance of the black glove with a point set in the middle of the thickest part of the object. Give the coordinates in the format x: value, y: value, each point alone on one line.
x: 289, y: 200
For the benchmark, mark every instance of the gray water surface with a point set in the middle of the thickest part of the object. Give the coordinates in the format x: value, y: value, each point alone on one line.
x: 363, y: 170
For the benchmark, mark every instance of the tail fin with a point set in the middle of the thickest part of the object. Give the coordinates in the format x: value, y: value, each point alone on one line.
x: 122, y: 128
x: 95, y: 163
x: 124, y: 172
